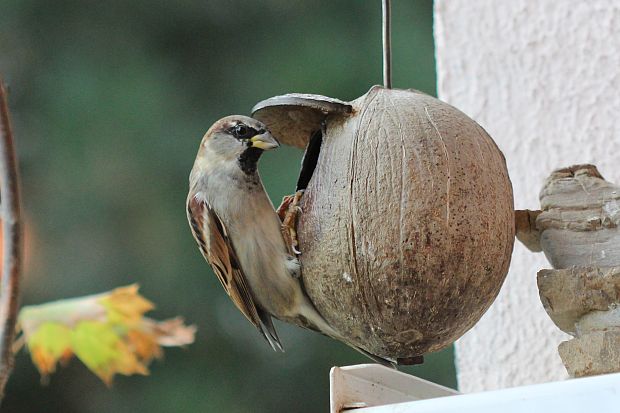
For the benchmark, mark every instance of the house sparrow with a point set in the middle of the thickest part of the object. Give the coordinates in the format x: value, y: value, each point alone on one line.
x: 239, y: 232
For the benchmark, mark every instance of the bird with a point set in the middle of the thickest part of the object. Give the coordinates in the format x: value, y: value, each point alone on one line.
x: 239, y: 232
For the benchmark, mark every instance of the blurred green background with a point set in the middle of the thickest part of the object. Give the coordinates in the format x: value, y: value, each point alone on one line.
x: 110, y: 100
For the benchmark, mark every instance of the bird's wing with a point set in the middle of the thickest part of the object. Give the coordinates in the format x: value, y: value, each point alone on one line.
x: 216, y: 247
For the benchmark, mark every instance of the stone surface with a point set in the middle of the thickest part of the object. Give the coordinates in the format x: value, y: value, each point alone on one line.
x: 542, y: 78
x: 579, y: 220
x: 584, y: 302
x: 597, y: 352
x: 569, y: 294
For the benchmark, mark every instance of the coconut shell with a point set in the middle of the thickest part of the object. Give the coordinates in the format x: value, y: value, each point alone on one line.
x: 408, y: 222
x: 294, y: 117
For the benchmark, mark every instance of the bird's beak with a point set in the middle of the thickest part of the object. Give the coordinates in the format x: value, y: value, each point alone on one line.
x: 264, y: 141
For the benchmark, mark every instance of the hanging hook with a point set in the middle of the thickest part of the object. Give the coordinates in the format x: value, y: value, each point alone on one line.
x: 387, y: 43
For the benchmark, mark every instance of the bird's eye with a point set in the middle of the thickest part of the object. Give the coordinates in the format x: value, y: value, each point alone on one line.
x: 241, y: 131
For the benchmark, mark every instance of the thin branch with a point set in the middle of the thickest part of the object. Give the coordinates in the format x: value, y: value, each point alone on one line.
x: 387, y: 43
x: 12, y: 241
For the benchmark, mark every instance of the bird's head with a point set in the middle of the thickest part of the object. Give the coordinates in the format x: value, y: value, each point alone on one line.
x: 235, y: 138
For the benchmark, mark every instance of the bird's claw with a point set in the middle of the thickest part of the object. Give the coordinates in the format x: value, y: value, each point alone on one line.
x: 288, y: 213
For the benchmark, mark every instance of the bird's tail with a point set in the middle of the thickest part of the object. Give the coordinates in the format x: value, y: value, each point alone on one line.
x: 268, y: 331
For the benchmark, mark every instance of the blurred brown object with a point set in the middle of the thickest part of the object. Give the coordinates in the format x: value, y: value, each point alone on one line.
x: 12, y: 236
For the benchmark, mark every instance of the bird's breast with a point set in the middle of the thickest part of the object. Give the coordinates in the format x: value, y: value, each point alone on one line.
x: 263, y: 258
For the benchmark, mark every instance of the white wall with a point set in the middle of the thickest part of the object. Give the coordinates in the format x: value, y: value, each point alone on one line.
x: 543, y: 78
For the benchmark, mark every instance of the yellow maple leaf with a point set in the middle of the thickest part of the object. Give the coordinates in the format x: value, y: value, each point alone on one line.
x: 107, y: 332
x: 48, y: 344
x: 125, y: 305
x: 144, y: 345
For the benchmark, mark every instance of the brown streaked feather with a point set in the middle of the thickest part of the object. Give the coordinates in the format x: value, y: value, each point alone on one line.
x: 216, y: 247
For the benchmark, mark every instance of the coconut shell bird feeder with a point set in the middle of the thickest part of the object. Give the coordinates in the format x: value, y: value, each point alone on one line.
x: 407, y: 222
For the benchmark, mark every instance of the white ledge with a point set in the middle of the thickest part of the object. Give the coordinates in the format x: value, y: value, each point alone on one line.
x: 370, y: 388
x: 366, y: 385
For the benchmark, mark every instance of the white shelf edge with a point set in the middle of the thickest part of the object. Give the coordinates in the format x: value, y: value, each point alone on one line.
x: 366, y: 385
x: 590, y: 394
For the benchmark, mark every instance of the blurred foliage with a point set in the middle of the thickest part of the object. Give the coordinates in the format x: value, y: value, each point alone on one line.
x: 107, y: 332
x: 110, y: 100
